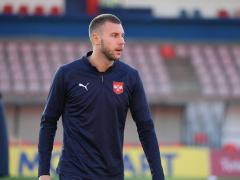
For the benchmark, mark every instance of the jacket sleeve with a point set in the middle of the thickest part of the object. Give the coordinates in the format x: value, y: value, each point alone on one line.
x: 48, y: 125
x: 145, y: 127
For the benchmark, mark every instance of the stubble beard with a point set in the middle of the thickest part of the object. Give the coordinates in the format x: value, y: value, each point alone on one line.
x: 107, y: 53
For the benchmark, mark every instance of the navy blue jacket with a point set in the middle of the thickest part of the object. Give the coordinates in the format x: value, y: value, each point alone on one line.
x: 94, y: 106
x: 4, y: 169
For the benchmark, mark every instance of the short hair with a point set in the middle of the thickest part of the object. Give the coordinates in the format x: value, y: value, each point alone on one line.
x: 100, y: 20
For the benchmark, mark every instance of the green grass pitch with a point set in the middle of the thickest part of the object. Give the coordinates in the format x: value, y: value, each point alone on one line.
x: 132, y: 178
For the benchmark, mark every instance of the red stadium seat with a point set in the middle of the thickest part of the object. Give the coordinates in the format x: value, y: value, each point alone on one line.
x: 8, y: 9
x: 92, y: 7
x: 23, y: 10
x: 200, y: 138
x: 167, y: 51
x: 222, y: 13
x: 39, y: 11
x: 55, y: 11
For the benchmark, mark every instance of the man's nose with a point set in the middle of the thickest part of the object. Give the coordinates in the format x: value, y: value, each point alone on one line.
x: 122, y: 41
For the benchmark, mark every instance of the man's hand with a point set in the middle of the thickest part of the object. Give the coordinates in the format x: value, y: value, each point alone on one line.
x: 45, y: 177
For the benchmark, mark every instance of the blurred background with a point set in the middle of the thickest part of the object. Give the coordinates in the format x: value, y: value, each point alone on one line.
x: 188, y: 56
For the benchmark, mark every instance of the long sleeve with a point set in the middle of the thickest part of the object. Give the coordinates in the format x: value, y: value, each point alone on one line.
x: 145, y: 127
x: 4, y: 152
x: 52, y: 111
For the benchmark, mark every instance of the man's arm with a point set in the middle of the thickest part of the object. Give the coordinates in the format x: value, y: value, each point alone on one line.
x: 52, y: 111
x: 145, y: 127
x: 46, y: 138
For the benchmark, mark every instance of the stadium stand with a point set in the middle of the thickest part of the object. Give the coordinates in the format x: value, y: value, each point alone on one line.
x: 188, y: 8
x: 216, y: 67
x: 207, y: 70
x: 30, y: 8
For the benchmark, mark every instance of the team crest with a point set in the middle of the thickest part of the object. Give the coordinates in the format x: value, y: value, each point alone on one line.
x: 118, y: 87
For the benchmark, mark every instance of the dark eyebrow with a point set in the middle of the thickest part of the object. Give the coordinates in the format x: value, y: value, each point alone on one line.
x: 114, y: 33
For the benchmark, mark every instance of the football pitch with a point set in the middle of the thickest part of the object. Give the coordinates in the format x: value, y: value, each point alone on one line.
x: 132, y: 178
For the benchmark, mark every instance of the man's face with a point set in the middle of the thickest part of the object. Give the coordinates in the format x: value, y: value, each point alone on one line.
x: 112, y: 40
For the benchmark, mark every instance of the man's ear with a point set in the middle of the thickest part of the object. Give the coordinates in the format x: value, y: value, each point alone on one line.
x: 96, y: 40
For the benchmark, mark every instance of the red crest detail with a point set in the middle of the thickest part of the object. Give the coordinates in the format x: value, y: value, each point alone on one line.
x: 118, y: 87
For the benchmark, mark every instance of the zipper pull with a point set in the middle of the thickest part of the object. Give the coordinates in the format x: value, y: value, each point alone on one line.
x: 102, y: 78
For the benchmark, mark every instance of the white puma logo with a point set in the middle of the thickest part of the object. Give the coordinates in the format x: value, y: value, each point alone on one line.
x: 85, y: 86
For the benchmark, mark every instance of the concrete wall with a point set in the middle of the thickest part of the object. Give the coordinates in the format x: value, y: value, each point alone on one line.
x: 23, y: 124
x: 167, y: 123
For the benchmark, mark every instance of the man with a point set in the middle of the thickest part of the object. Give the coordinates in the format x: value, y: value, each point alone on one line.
x: 93, y: 95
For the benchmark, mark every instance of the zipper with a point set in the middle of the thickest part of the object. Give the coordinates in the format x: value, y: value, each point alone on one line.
x: 102, y: 78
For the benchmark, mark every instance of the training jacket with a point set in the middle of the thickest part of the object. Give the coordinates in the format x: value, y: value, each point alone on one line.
x: 94, y: 106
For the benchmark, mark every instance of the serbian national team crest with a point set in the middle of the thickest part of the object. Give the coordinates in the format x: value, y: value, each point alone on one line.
x: 118, y: 87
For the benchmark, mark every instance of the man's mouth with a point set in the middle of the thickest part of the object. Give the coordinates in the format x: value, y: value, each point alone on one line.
x: 119, y: 50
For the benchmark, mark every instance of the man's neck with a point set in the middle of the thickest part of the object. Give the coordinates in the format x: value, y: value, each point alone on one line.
x: 100, y: 62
